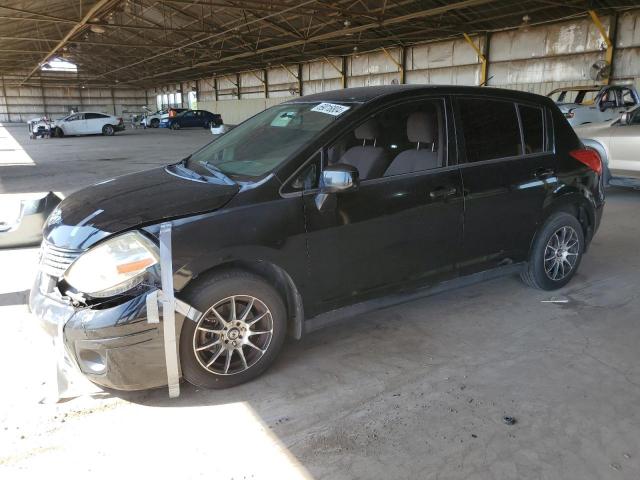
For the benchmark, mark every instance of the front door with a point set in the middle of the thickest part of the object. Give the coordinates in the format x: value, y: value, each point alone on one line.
x: 506, y: 178
x: 402, y: 227
x: 74, y: 125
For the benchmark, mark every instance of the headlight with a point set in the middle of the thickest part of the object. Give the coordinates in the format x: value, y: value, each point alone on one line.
x: 114, y: 266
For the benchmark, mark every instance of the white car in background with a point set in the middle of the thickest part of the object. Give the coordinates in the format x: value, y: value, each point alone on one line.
x: 594, y: 104
x: 618, y: 143
x: 88, y: 123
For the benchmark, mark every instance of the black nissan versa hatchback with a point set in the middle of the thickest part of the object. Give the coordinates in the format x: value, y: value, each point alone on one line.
x: 321, y: 207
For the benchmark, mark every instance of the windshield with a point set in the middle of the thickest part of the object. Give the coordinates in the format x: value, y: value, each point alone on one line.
x: 257, y: 146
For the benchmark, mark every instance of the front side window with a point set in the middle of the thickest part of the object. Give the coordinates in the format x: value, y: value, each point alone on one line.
x: 402, y: 139
x: 490, y: 129
x: 259, y: 145
x: 532, y: 128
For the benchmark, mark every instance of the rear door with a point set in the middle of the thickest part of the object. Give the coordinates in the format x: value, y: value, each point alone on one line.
x: 507, y: 174
x: 94, y: 122
x: 74, y: 125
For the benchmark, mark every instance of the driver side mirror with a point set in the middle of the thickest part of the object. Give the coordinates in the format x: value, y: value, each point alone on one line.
x: 607, y: 104
x: 339, y: 178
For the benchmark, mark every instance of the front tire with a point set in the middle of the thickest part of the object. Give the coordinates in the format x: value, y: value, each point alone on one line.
x: 239, y: 335
x: 556, y: 253
x: 108, y: 130
x: 155, y: 123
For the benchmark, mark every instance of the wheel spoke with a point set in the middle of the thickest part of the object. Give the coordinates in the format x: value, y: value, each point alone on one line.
x: 257, y: 319
x: 208, y: 345
x: 247, y: 310
x: 215, y: 357
x: 249, y: 343
x: 242, y: 357
x: 263, y: 332
x: 210, y: 330
x: 228, y: 360
x: 219, y: 317
x: 232, y: 316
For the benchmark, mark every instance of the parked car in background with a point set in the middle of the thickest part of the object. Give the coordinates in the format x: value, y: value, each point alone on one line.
x: 192, y: 118
x: 594, y: 104
x: 88, y: 123
x: 618, y: 143
x: 322, y: 207
x: 152, y: 120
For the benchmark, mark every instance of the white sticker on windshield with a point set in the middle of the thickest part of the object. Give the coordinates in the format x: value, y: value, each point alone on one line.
x: 330, y: 109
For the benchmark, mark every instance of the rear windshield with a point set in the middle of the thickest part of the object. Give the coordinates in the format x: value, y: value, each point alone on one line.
x: 259, y: 145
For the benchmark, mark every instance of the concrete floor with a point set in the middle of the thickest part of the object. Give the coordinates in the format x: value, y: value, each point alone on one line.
x: 414, y: 391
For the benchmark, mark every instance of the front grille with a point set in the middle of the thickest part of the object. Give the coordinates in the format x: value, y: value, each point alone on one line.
x: 54, y: 261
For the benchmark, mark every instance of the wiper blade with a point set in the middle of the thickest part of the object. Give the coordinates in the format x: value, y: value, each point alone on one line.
x: 217, y: 172
x: 190, y: 173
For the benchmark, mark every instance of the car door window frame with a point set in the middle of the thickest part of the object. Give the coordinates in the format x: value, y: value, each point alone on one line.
x: 446, y: 109
x: 451, y: 157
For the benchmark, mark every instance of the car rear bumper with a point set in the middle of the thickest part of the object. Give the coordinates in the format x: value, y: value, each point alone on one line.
x: 114, y: 347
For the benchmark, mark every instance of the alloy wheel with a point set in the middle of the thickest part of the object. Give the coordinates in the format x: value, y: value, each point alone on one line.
x: 233, y: 335
x: 561, y: 253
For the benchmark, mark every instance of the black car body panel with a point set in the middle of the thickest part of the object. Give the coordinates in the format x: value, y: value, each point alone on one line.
x: 389, y: 237
x: 113, y: 206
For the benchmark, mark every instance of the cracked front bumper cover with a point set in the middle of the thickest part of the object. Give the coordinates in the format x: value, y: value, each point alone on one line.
x: 114, y: 347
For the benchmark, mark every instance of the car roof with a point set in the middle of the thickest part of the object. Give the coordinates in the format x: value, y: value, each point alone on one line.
x: 368, y: 94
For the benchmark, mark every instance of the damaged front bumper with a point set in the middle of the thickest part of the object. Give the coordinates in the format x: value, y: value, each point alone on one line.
x: 114, y: 346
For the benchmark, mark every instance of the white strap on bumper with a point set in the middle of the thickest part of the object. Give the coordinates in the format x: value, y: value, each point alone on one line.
x: 169, y: 311
x: 169, y: 306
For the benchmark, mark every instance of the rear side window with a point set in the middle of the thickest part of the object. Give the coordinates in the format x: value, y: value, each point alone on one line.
x: 490, y: 129
x: 90, y: 116
x: 532, y: 128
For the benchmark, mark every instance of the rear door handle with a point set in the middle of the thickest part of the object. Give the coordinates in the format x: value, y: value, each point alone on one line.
x: 544, y: 173
x: 442, y: 192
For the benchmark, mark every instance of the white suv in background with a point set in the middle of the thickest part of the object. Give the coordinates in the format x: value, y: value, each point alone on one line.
x: 88, y: 123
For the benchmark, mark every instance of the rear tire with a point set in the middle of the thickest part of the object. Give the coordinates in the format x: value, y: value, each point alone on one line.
x: 108, y: 130
x: 556, y: 253
x: 206, y: 349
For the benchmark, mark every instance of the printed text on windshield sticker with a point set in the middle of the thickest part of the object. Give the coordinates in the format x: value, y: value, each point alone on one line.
x: 330, y: 109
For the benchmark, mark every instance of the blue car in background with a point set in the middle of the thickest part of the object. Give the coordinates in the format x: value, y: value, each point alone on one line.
x: 192, y: 118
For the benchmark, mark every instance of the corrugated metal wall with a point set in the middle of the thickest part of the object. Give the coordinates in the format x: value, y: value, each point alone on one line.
x: 20, y: 103
x: 536, y: 59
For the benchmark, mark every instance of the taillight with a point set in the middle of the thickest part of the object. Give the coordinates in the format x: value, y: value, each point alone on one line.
x: 589, y: 157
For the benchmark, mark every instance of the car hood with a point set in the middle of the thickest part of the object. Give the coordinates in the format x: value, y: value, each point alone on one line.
x: 126, y: 202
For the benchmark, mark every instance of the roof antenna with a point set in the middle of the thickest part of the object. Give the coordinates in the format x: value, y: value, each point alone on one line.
x: 484, y: 84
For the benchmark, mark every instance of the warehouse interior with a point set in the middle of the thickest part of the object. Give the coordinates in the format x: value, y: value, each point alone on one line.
x: 492, y: 380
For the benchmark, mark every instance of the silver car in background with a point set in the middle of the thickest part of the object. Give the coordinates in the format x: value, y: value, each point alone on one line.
x: 618, y: 143
x: 594, y: 104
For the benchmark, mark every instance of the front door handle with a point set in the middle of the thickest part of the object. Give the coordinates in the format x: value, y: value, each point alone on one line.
x: 544, y: 173
x: 442, y: 192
